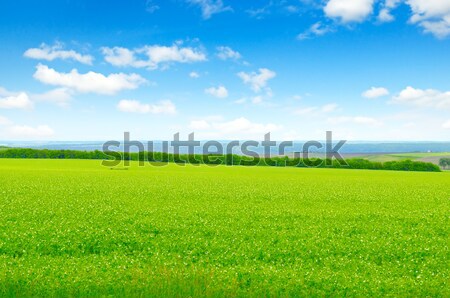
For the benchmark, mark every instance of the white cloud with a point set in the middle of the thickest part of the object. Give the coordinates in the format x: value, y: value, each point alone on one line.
x: 58, y: 96
x: 153, y: 56
x: 225, y: 53
x: 18, y: 101
x: 257, y: 81
x: 237, y: 128
x: 432, y: 15
x: 446, y: 124
x: 349, y: 10
x: 316, y: 29
x: 305, y: 111
x: 423, y: 98
x: 257, y: 99
x: 199, y: 125
x: 220, y: 92
x: 4, y: 121
x: 375, y: 92
x: 4, y: 92
x: 210, y: 7
x: 360, y: 120
x: 134, y: 106
x: 384, y: 14
x: 292, y: 8
x: 29, y: 132
x: 119, y: 56
x: 194, y: 75
x: 241, y: 101
x: 244, y: 125
x: 90, y: 82
x: 328, y: 108
x: 50, y: 53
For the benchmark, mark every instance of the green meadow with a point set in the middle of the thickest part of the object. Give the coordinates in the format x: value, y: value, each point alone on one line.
x: 76, y: 228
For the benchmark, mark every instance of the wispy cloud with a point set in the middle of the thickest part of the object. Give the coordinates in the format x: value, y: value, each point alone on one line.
x: 29, y: 132
x: 317, y: 29
x: 226, y: 53
x: 50, y: 53
x: 360, y: 120
x: 210, y: 7
x: 135, y: 106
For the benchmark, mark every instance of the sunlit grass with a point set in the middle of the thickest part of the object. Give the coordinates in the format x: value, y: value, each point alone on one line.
x: 73, y: 227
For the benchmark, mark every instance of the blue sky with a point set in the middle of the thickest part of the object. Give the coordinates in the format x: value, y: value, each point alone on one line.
x: 90, y: 70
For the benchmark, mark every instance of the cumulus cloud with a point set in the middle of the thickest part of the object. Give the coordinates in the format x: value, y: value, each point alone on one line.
x: 257, y: 81
x: 30, y: 132
x: 90, y: 82
x: 317, y: 29
x: 360, y: 120
x: 152, y: 56
x: 423, y: 98
x: 385, y: 14
x: 210, y: 7
x: 194, y: 75
x: 134, y: 106
x: 226, y: 53
x: 50, y: 53
x: 16, y: 101
x: 349, y: 10
x: 432, y: 15
x: 375, y: 92
x: 220, y: 92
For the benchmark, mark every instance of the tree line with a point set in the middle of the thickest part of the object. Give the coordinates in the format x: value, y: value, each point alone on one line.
x: 444, y: 162
x: 112, y: 158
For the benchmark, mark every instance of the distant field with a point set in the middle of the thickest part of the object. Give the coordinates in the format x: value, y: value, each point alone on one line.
x: 75, y: 228
x: 425, y: 157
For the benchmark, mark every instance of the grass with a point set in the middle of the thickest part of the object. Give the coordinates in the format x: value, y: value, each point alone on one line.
x: 75, y: 228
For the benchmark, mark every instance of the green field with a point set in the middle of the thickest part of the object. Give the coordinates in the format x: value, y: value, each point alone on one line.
x: 75, y: 228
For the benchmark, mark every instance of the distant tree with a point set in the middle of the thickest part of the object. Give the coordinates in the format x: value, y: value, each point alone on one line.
x: 444, y: 162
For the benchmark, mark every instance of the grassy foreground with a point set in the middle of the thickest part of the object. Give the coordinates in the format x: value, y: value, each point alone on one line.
x: 75, y: 228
